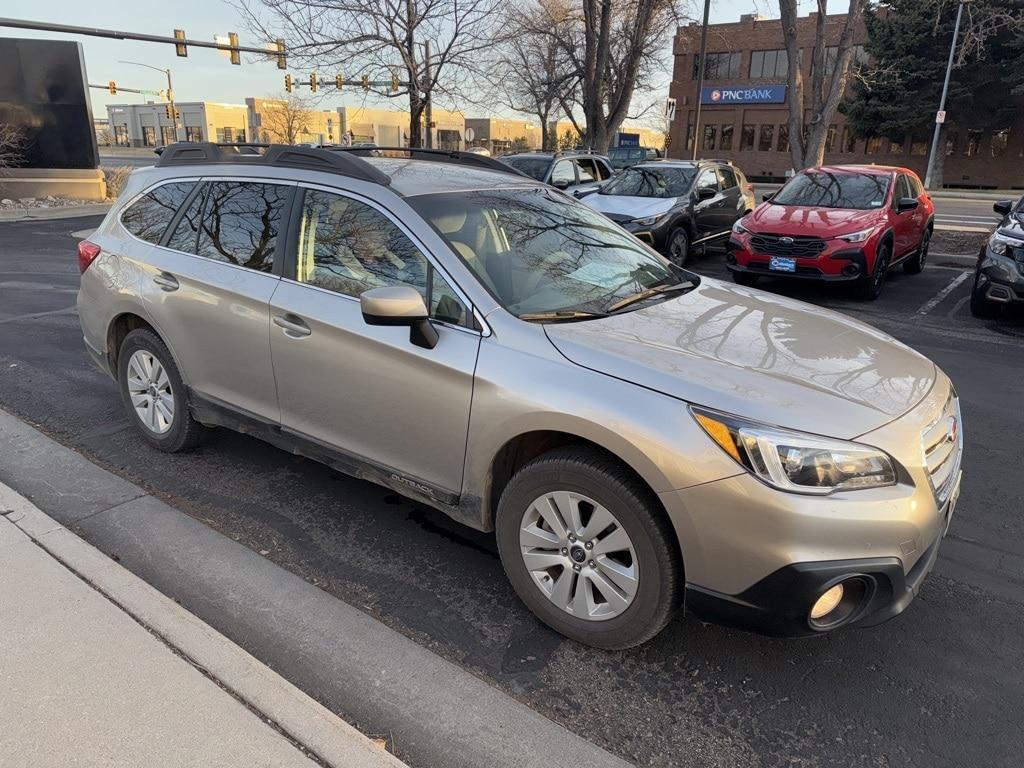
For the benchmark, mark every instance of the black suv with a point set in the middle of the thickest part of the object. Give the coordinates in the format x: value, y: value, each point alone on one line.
x: 999, y: 275
x: 576, y: 172
x: 675, y: 204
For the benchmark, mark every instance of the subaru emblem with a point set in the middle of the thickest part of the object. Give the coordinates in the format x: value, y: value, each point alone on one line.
x: 785, y: 240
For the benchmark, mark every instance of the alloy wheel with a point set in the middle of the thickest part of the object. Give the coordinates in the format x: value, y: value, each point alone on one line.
x: 579, y: 556
x: 150, y: 389
x: 678, y: 248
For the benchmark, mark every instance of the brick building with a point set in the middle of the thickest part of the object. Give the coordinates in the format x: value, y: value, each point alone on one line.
x: 744, y: 115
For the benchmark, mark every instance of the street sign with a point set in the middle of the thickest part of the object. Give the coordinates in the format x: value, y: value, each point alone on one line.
x: 670, y: 109
x: 940, y: 116
x: 470, y: 134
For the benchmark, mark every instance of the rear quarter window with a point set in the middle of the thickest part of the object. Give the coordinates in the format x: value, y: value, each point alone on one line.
x: 148, y: 217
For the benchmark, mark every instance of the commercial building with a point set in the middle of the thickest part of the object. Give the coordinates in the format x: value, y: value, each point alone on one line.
x: 497, y: 135
x: 744, y: 115
x: 147, y: 125
x: 281, y: 121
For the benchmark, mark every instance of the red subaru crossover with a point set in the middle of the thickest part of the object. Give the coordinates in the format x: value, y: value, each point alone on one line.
x: 842, y: 223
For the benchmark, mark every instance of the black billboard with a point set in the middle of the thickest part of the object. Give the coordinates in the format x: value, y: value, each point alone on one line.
x: 44, y: 93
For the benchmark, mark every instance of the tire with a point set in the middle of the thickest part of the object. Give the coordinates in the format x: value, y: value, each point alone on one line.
x: 915, y: 264
x: 677, y: 248
x: 869, y: 287
x: 745, y: 278
x: 599, y: 490
x: 980, y: 306
x: 156, y: 391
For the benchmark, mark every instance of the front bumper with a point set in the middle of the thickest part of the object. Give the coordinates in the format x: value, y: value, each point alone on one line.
x: 841, y: 265
x: 1000, y: 278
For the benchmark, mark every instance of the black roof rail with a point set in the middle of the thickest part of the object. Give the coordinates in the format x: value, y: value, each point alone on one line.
x: 435, y: 155
x: 277, y: 155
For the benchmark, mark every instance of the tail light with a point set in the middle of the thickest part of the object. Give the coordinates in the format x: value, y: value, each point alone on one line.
x: 87, y: 253
x: 750, y: 188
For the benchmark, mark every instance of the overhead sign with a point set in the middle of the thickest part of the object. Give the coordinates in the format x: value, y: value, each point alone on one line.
x: 761, y: 94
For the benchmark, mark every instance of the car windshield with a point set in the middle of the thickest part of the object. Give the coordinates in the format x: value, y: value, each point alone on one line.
x: 545, y: 256
x: 651, y: 181
x: 536, y: 167
x: 823, y: 189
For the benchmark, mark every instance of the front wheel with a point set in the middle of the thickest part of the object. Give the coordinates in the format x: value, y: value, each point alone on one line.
x: 588, y: 549
x: 915, y: 264
x: 870, y: 286
x: 678, y: 247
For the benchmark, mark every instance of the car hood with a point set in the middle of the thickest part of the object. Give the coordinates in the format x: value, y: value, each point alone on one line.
x: 809, y: 222
x: 757, y: 355
x: 629, y: 207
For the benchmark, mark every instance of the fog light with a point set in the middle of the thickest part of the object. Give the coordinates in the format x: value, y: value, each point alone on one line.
x: 827, y: 602
x: 850, y: 270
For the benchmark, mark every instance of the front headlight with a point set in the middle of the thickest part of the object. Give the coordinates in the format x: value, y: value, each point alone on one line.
x: 650, y: 221
x: 858, y: 237
x: 1000, y: 244
x: 738, y: 228
x: 794, y: 461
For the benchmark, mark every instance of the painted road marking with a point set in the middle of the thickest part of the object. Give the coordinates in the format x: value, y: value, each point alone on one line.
x: 933, y: 302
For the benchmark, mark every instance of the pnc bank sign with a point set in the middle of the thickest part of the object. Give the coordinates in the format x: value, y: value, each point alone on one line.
x: 762, y: 94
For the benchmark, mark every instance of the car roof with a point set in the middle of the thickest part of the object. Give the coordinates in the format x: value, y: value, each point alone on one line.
x: 873, y: 170
x: 411, y: 177
x: 666, y: 164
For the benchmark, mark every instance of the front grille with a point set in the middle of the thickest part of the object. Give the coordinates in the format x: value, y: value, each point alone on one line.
x: 943, y: 445
x: 781, y: 245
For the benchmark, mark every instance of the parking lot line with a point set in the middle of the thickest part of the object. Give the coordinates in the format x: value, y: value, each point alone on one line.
x: 934, y: 301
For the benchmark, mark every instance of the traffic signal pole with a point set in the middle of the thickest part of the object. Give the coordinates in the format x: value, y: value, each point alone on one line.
x: 928, y: 177
x: 172, y: 112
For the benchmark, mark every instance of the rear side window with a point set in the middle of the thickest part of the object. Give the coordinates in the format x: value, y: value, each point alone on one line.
x: 186, y: 234
x: 148, y: 217
x: 241, y: 222
x: 728, y: 177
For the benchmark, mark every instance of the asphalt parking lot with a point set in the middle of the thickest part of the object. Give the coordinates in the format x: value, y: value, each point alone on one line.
x: 942, y: 685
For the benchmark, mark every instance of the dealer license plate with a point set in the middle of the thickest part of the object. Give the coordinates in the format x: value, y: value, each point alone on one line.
x: 782, y: 264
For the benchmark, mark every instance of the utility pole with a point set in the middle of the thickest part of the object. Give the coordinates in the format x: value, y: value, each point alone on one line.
x: 700, y: 77
x: 170, y: 93
x: 428, y: 109
x: 942, y: 102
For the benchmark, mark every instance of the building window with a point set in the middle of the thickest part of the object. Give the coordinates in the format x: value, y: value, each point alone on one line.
x: 849, y: 144
x: 747, y: 138
x: 719, y: 66
x: 168, y: 135
x: 689, y: 138
x: 873, y: 145
x: 710, y: 134
x: 830, y: 139
x: 973, y: 142
x: 121, y: 135
x: 1000, y: 140
x: 858, y: 60
x: 764, y: 142
x: 726, y: 141
x: 952, y: 140
x: 895, y: 147
x: 918, y: 146
x: 769, y: 63
x: 783, y: 145
x: 193, y: 133
x: 149, y: 136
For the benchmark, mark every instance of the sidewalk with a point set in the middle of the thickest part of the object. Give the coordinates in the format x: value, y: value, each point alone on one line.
x: 98, y: 669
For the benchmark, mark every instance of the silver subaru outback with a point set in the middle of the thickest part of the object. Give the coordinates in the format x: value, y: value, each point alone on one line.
x: 636, y: 436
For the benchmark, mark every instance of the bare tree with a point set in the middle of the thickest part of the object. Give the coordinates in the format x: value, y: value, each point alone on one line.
x: 284, y: 119
x: 381, y: 38
x: 12, y: 146
x: 812, y: 108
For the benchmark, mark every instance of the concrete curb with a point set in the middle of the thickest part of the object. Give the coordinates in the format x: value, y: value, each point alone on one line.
x: 437, y: 713
x: 302, y: 719
x: 46, y: 214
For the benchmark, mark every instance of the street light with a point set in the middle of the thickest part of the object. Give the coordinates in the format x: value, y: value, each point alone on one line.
x: 170, y: 92
x: 700, y: 78
x: 940, y: 117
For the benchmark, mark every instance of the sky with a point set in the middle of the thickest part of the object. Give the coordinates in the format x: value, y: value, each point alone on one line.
x: 207, y: 75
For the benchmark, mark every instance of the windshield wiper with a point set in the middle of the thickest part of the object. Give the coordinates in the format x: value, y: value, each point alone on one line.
x: 562, y: 315
x: 648, y: 293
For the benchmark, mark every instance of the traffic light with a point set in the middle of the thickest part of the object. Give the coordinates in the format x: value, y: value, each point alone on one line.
x: 168, y: 111
x: 395, y: 84
x: 180, y: 48
x: 288, y: 83
x: 236, y: 57
x: 282, y: 60
x: 339, y: 82
x: 312, y: 82
x: 366, y: 82
x: 112, y: 87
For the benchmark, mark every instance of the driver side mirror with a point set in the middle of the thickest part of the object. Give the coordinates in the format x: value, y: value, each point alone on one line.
x: 706, y: 193
x: 907, y: 204
x: 1003, y: 207
x: 399, y: 305
x: 560, y: 184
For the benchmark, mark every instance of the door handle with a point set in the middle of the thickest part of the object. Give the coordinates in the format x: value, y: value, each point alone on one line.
x: 166, y: 281
x: 292, y: 326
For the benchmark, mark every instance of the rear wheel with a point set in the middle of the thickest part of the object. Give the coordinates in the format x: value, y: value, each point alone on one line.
x: 745, y: 278
x: 678, y: 247
x: 980, y: 306
x: 154, y: 394
x: 588, y: 549
x: 915, y: 264
x: 870, y: 286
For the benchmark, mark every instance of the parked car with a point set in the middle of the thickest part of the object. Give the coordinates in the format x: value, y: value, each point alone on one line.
x: 479, y: 151
x: 839, y: 223
x: 999, y: 274
x: 624, y: 157
x: 576, y: 172
x: 674, y: 205
x: 492, y: 348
